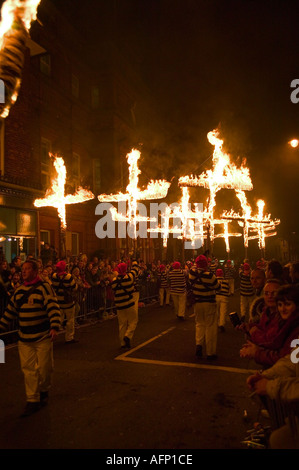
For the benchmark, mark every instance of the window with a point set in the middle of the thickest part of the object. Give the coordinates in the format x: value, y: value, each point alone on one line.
x: 45, y: 236
x: 45, y: 64
x: 45, y: 162
x: 72, y: 243
x: 75, y: 86
x: 95, y: 97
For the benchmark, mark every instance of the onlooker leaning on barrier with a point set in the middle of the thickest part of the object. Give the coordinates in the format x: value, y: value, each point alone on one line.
x: 35, y: 306
x: 64, y: 286
x: 123, y: 287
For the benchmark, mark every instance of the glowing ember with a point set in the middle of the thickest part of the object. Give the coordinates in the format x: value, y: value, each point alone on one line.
x: 55, y: 196
x: 16, y: 18
x: 155, y: 190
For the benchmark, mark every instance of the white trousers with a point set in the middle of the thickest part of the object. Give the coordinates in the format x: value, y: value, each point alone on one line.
x: 221, y: 306
x: 179, y: 303
x: 245, y: 302
x: 231, y: 284
x: 69, y: 314
x: 164, y: 294
x: 37, y: 363
x: 206, y: 326
x: 127, y: 322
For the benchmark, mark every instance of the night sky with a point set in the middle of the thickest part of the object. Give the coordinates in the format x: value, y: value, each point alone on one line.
x: 213, y: 63
x: 217, y: 63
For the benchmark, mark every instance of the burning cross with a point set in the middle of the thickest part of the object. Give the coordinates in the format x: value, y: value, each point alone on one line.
x: 224, y: 174
x: 190, y: 229
x: 155, y: 190
x: 55, y: 196
x: 260, y: 223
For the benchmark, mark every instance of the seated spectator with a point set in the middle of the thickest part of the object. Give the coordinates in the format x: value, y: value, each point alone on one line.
x: 280, y: 384
x: 276, y: 341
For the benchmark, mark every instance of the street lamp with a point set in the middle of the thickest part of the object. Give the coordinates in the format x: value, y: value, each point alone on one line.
x: 294, y: 143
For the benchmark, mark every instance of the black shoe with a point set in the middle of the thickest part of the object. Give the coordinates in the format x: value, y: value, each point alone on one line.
x: 180, y: 317
x: 212, y: 357
x: 72, y: 341
x: 127, y: 342
x: 44, y: 398
x: 198, y: 352
x: 222, y: 329
x: 30, y: 408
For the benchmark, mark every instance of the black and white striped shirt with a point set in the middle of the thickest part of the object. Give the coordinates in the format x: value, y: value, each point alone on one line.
x: 124, y: 287
x: 177, y: 281
x: 38, y: 314
x: 204, y: 285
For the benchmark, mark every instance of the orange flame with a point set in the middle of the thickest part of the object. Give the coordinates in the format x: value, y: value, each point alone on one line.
x: 55, y: 196
x: 224, y: 174
x: 16, y: 18
x: 155, y: 190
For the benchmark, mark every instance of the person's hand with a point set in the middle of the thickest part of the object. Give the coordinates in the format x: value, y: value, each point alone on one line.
x: 242, y: 327
x: 253, y: 329
x: 249, y: 350
x: 252, y: 379
x: 53, y: 333
x: 261, y: 386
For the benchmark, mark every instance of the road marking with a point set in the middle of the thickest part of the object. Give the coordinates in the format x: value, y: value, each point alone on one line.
x: 124, y: 357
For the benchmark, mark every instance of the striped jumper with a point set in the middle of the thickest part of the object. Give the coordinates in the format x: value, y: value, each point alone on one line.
x: 204, y: 285
x: 124, y: 287
x: 177, y: 281
x: 37, y: 316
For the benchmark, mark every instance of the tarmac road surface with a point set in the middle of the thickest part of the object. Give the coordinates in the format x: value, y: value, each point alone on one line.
x: 156, y: 395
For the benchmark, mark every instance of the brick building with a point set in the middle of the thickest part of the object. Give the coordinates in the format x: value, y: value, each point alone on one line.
x: 84, y: 108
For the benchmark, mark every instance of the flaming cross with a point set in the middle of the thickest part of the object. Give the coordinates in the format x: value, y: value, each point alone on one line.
x: 226, y: 234
x: 155, y: 190
x: 55, y: 196
x: 190, y: 229
x: 260, y: 222
x: 224, y: 174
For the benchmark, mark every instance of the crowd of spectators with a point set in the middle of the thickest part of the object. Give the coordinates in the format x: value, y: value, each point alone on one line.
x: 269, y: 307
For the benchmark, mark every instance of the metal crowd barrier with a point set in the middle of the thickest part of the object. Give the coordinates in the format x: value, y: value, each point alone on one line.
x: 93, y: 303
